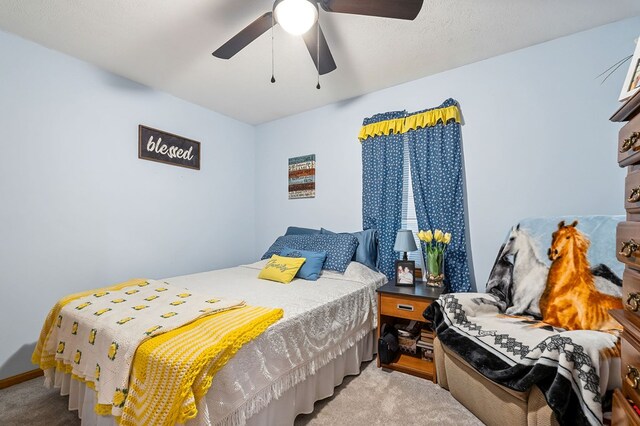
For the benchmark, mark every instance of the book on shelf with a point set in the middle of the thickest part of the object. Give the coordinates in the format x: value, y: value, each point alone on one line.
x: 428, y: 341
x: 422, y: 344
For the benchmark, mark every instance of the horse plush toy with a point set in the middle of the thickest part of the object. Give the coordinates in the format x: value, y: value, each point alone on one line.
x: 570, y: 299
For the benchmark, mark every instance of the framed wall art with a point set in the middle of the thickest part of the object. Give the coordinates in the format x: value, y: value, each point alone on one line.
x: 302, y: 177
x: 632, y: 81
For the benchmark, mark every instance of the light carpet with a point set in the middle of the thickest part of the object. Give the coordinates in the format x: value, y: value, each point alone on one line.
x: 375, y: 397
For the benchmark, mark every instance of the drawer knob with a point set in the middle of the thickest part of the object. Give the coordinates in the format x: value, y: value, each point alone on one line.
x: 630, y: 142
x: 634, y: 195
x: 628, y: 248
x: 633, y: 302
x: 633, y: 376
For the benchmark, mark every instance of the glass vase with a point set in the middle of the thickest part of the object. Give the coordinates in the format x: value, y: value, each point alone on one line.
x: 434, y: 269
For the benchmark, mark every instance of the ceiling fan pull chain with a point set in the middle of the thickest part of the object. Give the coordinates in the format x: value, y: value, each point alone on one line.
x: 273, y: 79
x: 318, y: 50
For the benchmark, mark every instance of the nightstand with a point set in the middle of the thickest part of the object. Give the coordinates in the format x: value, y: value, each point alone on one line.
x: 397, y: 303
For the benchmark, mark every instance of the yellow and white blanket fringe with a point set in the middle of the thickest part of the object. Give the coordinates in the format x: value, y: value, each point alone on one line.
x: 180, y: 340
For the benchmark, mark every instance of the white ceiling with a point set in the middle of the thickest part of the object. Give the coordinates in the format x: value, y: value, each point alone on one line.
x: 167, y: 44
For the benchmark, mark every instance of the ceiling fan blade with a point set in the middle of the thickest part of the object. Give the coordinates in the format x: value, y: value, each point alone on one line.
x: 327, y: 64
x: 398, y: 9
x: 244, y: 37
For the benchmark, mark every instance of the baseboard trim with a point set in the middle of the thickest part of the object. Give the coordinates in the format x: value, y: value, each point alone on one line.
x: 23, y: 377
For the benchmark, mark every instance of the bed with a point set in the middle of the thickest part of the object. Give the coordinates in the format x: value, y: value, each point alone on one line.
x: 326, y: 332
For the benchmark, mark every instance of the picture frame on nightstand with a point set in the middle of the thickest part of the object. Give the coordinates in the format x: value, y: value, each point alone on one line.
x: 405, y: 273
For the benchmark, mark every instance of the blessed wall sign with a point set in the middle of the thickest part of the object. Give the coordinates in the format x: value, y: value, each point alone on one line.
x: 163, y: 147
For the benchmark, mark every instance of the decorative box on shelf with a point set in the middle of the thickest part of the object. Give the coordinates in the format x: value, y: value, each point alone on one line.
x: 407, y: 344
x: 427, y: 354
x: 408, y: 336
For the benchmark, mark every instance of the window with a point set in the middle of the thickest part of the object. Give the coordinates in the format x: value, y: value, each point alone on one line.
x: 409, y: 218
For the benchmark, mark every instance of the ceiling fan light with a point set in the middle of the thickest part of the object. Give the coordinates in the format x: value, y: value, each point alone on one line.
x: 296, y: 16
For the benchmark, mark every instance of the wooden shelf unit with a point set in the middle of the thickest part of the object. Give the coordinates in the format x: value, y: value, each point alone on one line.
x: 401, y: 303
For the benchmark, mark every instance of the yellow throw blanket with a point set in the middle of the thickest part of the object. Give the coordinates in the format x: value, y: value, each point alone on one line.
x: 171, y: 371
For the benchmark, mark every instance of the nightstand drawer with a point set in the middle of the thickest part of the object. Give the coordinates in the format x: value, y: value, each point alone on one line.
x: 403, y: 307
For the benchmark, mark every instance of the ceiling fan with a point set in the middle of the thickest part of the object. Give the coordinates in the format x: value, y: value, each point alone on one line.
x: 300, y: 17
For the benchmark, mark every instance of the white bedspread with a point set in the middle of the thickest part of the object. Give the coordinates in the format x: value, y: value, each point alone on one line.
x: 322, y: 319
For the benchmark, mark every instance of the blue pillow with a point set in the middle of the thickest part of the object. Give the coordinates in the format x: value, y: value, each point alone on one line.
x: 339, y: 247
x: 311, y: 268
x: 295, y: 230
x: 367, y: 251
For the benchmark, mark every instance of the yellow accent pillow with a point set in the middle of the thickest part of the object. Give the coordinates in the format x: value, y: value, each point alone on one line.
x: 281, y: 269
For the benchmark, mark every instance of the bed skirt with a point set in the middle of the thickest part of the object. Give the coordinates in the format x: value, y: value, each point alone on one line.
x: 282, y: 411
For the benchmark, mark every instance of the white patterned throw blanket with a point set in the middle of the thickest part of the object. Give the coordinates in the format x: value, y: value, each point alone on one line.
x: 572, y: 368
x: 95, y: 337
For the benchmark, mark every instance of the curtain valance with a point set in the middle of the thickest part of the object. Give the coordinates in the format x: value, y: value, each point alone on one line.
x: 412, y: 122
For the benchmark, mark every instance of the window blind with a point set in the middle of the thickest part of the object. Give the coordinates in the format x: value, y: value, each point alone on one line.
x: 409, y: 218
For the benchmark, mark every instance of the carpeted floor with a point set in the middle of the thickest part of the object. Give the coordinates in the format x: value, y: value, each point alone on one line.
x: 375, y: 397
x: 389, y: 398
x: 30, y: 403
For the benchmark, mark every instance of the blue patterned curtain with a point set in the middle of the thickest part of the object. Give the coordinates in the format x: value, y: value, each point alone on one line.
x: 435, y: 154
x: 382, y: 157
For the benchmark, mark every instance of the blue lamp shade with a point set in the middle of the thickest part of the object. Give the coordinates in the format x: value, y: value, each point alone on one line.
x: 405, y: 242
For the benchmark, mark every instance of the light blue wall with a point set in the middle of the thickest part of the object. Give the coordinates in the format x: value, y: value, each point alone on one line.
x: 537, y: 141
x: 79, y: 210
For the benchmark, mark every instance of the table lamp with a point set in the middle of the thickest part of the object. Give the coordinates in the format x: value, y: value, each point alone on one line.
x: 405, y: 242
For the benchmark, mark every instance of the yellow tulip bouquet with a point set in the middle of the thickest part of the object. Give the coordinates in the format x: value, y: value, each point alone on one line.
x: 434, y: 244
